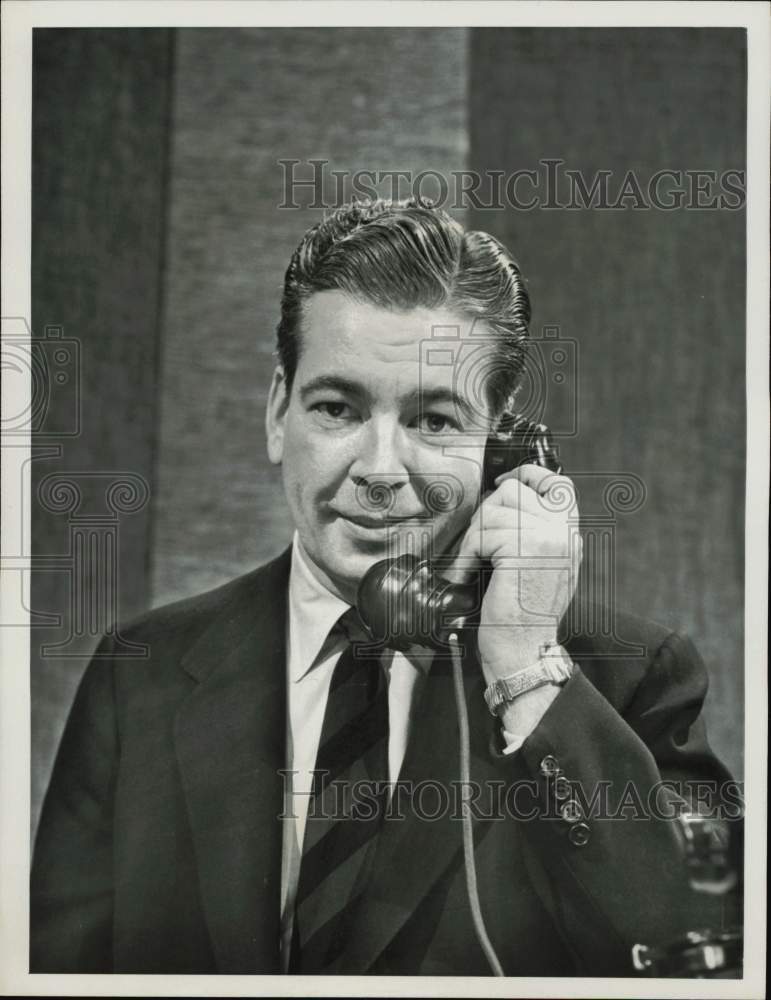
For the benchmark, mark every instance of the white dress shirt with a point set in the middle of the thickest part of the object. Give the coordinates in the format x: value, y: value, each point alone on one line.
x: 311, y: 658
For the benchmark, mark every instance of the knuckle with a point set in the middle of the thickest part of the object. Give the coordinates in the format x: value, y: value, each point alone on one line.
x: 510, y: 489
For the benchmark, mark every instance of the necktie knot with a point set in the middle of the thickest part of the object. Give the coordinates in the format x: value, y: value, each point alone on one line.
x: 351, y: 626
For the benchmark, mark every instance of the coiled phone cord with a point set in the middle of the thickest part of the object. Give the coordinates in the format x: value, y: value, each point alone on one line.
x: 468, y: 833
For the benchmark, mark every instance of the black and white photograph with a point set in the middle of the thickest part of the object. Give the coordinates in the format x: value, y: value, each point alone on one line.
x: 385, y: 499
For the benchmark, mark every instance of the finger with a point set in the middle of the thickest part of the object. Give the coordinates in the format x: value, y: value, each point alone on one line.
x: 508, y: 534
x: 509, y: 516
x: 462, y: 550
x: 558, y: 492
x: 516, y: 495
x: 555, y: 495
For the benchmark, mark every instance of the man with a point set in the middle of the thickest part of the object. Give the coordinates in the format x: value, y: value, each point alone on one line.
x: 182, y: 830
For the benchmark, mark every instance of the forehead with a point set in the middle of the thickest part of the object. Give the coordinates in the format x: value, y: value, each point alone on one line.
x: 381, y: 346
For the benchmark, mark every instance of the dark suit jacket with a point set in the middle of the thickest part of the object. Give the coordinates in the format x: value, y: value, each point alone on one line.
x: 159, y: 843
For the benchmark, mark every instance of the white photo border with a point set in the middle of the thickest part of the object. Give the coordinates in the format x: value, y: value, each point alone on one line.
x: 19, y: 17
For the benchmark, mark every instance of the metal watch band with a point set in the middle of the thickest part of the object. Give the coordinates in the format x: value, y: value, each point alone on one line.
x: 554, y: 667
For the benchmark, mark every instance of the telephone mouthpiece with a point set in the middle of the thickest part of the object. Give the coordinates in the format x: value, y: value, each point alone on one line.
x: 403, y: 603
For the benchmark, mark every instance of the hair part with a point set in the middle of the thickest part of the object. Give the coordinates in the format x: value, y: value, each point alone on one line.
x: 401, y: 255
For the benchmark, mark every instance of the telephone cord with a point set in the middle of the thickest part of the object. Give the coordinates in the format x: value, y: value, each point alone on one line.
x: 468, y: 832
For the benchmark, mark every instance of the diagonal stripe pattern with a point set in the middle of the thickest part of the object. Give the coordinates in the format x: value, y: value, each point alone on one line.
x: 345, y: 810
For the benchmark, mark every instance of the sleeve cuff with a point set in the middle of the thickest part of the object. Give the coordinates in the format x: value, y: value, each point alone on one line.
x: 513, y: 742
x: 521, y: 716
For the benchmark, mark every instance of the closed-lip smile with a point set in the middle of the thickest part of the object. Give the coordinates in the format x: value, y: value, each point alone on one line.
x: 363, y: 521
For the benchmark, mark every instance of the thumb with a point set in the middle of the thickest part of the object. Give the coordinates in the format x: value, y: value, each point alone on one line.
x: 465, y: 557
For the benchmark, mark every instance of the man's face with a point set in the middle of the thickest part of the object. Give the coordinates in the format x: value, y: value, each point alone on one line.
x: 378, y: 451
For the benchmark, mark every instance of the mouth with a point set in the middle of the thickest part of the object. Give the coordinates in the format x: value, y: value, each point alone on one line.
x: 377, y: 523
x: 377, y: 528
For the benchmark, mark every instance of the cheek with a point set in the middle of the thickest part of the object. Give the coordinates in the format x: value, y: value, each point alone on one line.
x: 312, y: 464
x: 463, y: 501
x: 466, y: 493
x: 295, y: 493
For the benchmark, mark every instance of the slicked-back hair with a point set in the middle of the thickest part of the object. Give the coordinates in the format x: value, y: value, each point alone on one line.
x: 401, y: 255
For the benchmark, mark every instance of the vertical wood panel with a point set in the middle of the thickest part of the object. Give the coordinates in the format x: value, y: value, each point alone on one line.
x: 360, y: 98
x: 99, y: 141
x: 655, y: 300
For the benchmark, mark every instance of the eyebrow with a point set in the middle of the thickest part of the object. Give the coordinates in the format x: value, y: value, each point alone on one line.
x: 424, y: 397
x: 334, y: 382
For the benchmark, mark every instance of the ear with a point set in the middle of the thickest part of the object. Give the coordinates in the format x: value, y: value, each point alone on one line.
x: 275, y: 414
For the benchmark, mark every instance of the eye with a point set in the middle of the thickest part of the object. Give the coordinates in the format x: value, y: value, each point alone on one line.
x: 333, y: 412
x: 436, y: 423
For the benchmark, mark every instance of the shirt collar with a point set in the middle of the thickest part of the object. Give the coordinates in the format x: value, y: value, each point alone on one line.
x: 313, y: 612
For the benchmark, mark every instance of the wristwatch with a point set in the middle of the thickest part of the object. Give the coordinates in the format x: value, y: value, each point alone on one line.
x: 554, y: 667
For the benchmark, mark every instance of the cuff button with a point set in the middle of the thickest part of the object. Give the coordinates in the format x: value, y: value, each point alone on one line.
x: 572, y: 812
x: 549, y: 766
x: 579, y: 835
x: 562, y: 789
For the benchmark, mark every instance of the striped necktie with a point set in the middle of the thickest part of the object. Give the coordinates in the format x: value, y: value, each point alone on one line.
x: 345, y: 809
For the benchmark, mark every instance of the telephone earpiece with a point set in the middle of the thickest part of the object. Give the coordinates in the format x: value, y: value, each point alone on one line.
x: 517, y: 441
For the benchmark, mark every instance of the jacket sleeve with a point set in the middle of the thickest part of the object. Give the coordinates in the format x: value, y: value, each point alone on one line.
x: 71, y: 891
x: 603, y: 849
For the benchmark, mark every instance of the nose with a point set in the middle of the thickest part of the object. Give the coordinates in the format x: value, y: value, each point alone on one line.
x: 382, y: 464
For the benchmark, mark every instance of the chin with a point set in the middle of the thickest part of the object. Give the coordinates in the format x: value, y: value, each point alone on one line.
x: 347, y: 573
x: 345, y: 565
x: 347, y: 553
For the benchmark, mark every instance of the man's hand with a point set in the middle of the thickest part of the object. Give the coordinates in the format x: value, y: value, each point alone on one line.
x: 528, y: 530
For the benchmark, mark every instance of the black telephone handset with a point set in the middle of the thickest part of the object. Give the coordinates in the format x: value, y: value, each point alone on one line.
x: 405, y: 602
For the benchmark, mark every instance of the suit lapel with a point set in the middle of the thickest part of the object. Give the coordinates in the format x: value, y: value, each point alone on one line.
x: 230, y: 735
x: 414, y: 852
